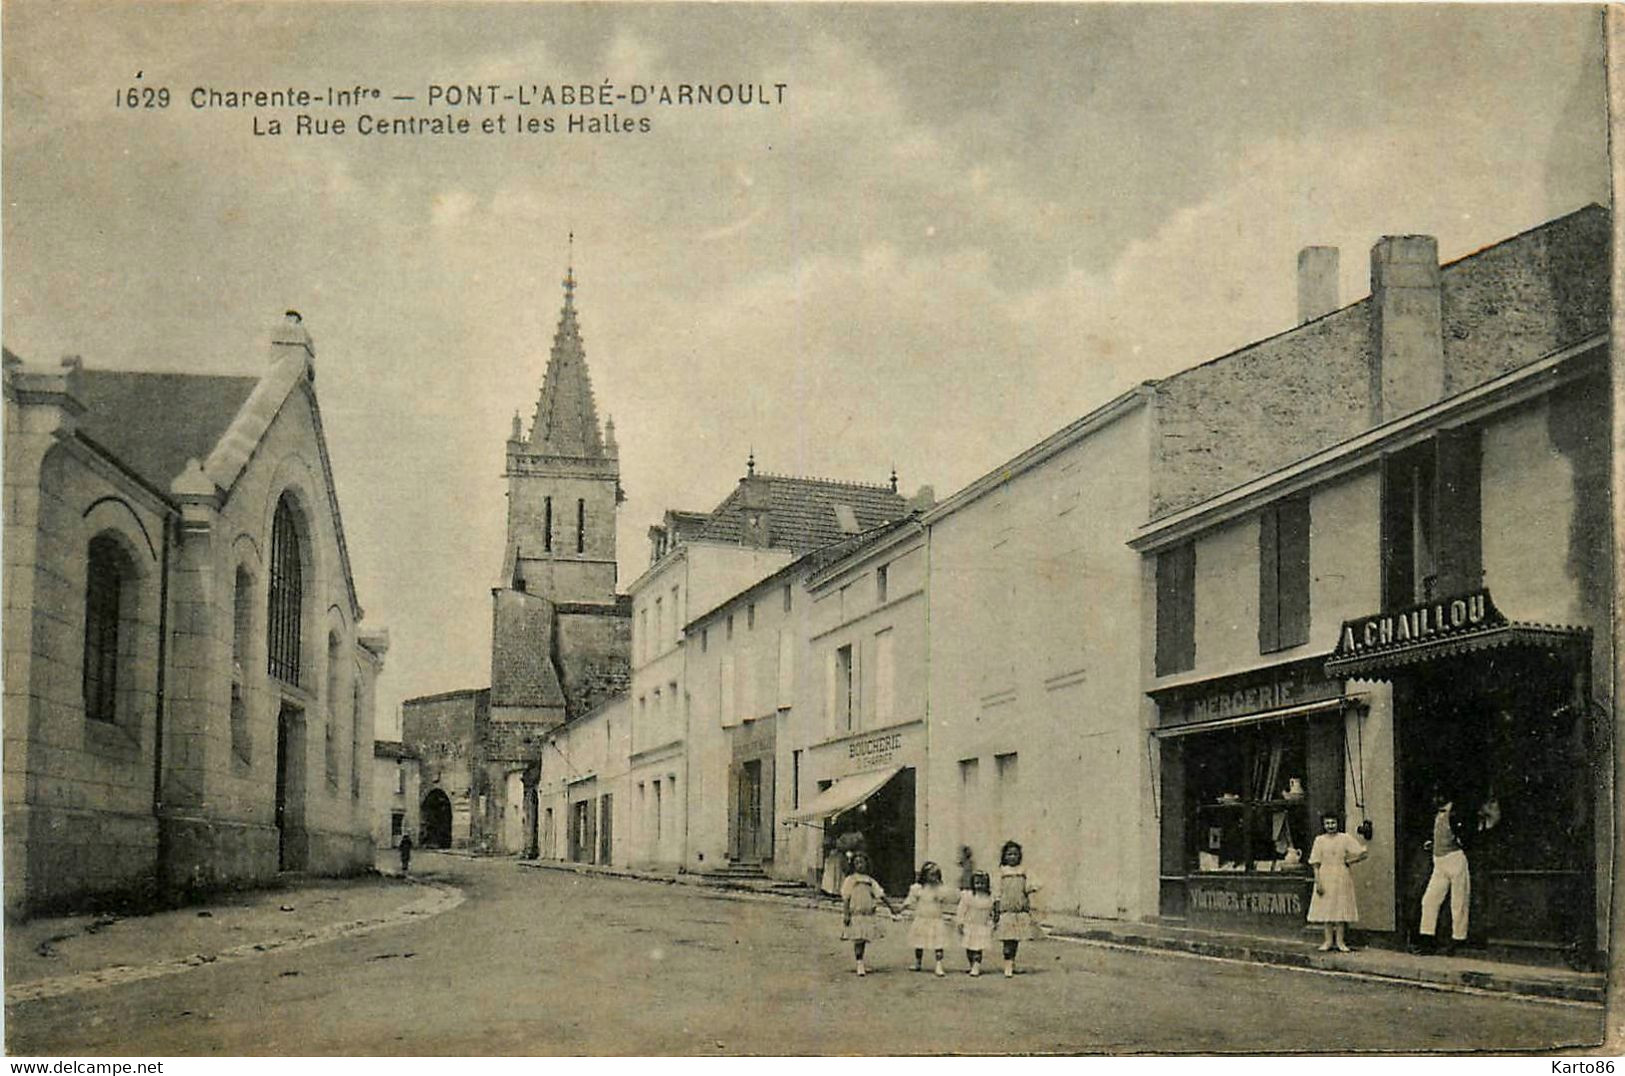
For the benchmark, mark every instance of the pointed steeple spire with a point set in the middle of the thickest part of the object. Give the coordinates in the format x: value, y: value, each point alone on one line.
x: 566, y: 422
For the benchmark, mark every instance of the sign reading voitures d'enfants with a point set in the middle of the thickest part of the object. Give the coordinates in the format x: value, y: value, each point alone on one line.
x: 1418, y: 624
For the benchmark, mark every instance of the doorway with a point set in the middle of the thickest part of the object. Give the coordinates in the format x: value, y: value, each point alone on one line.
x: 749, y: 819
x: 290, y: 787
x: 1505, y: 736
x: 436, y: 819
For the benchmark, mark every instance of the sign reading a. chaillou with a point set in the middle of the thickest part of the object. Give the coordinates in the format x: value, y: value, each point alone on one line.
x: 1462, y: 614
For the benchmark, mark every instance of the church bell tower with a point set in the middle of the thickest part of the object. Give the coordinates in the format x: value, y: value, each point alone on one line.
x: 564, y: 481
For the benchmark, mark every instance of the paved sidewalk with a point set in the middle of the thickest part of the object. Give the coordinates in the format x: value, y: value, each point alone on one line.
x: 48, y: 957
x: 1437, y: 972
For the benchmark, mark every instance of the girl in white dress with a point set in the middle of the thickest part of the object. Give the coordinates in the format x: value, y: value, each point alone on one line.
x: 859, y: 895
x: 975, y: 918
x: 928, y: 900
x: 1333, y: 906
x: 1013, y: 919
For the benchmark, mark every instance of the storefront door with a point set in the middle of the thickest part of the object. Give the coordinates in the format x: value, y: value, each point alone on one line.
x: 1502, y: 735
x: 750, y: 811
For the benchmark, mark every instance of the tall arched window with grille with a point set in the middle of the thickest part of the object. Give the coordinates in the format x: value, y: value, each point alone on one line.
x: 335, y: 690
x: 286, y: 606
x: 107, y: 574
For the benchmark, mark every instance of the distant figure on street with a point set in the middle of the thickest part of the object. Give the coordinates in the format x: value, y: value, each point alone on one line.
x: 1332, y: 905
x: 928, y: 900
x: 1013, y: 910
x: 1450, y: 877
x: 859, y: 895
x: 975, y: 918
x: 967, y: 868
x: 406, y: 852
x: 849, y: 845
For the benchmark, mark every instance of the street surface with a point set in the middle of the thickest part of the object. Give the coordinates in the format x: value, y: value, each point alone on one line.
x: 548, y: 962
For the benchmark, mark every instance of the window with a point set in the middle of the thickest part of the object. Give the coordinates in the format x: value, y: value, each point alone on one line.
x: 660, y: 625
x: 242, y: 627
x: 643, y: 632
x: 843, y: 689
x: 880, y: 584
x: 581, y: 525
x: 750, y: 616
x: 1248, y: 792
x: 885, y: 678
x: 1432, y: 535
x: 357, y: 744
x: 1006, y: 808
x: 547, y: 524
x: 400, y: 778
x: 1176, y: 610
x: 330, y: 748
x: 787, y: 597
x: 730, y: 625
x: 286, y: 609
x: 676, y: 618
x: 795, y: 779
x: 671, y: 693
x: 705, y: 640
x: 969, y: 800
x: 397, y: 822
x: 1283, y: 575
x: 107, y: 575
x: 787, y: 669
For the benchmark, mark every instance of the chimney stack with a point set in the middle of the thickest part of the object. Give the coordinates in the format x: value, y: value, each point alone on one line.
x: 1317, y: 283
x: 290, y: 333
x: 1407, y: 325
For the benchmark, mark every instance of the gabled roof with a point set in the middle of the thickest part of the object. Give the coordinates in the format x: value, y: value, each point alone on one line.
x: 813, y: 563
x: 154, y: 423
x: 804, y: 513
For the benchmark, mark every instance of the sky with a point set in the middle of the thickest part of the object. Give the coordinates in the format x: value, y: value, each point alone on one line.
x: 964, y: 227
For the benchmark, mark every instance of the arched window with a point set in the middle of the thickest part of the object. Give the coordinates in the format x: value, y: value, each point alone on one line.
x: 283, y: 622
x: 356, y: 746
x: 335, y: 655
x: 107, y: 574
x: 241, y: 640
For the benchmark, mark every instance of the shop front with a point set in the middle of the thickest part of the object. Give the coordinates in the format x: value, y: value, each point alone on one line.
x: 1494, y: 715
x: 750, y: 792
x: 867, y: 792
x: 1249, y: 763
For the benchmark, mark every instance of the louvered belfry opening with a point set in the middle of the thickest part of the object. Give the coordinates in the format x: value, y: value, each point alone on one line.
x: 287, y: 595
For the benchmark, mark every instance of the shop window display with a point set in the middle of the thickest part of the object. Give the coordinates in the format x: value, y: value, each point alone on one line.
x: 1247, y: 796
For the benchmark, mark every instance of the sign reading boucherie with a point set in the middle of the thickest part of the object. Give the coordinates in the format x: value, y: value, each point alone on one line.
x: 872, y: 752
x: 1418, y: 624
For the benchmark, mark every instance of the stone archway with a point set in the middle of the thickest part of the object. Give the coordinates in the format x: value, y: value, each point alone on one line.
x: 435, y: 815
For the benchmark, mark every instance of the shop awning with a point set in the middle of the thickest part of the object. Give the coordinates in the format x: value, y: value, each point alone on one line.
x: 1381, y: 664
x: 843, y: 795
x: 1308, y: 709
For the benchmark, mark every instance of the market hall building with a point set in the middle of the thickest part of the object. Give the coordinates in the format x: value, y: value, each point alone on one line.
x: 1381, y: 571
x: 189, y: 689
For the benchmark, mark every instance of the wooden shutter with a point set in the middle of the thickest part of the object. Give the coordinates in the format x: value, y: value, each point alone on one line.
x: 735, y: 776
x: 1269, y: 596
x: 1292, y: 571
x: 1176, y: 609
x: 764, y: 838
x: 1459, y: 511
x: 1398, y: 552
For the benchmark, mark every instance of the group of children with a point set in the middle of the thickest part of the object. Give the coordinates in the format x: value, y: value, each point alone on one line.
x: 981, y: 914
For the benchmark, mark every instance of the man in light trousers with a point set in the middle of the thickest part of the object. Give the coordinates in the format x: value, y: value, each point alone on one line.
x: 1450, y: 877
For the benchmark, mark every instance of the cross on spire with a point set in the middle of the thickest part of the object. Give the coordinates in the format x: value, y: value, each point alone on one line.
x: 570, y: 271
